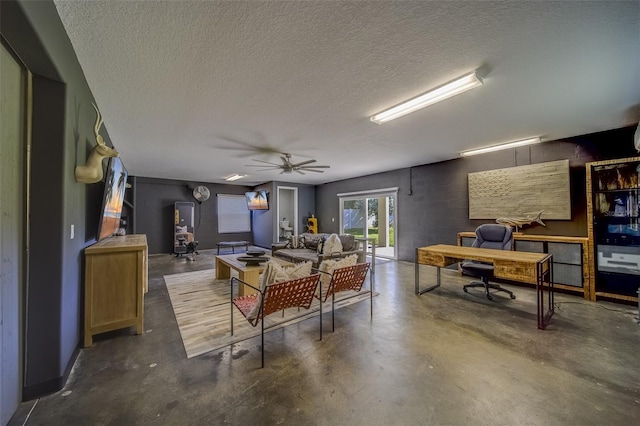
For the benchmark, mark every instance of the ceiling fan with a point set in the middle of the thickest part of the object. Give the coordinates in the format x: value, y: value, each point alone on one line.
x: 287, y: 166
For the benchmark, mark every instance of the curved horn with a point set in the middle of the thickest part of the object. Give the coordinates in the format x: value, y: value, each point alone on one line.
x: 96, y: 127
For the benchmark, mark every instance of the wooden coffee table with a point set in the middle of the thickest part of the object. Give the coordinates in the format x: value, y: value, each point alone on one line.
x: 249, y: 274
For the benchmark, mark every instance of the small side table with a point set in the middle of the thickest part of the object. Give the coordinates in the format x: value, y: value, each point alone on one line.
x: 233, y: 245
x: 366, y: 242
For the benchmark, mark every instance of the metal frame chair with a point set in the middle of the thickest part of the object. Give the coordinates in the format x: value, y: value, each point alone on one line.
x: 298, y: 292
x: 343, y: 279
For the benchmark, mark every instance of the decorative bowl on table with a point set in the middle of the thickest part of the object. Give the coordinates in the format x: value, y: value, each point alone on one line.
x: 252, y: 260
x: 255, y: 253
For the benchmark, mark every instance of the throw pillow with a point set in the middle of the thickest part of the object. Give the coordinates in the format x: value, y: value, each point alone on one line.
x: 332, y: 245
x: 331, y: 265
x: 298, y: 270
x: 295, y: 242
x: 292, y: 242
x: 272, y: 273
x: 276, y: 273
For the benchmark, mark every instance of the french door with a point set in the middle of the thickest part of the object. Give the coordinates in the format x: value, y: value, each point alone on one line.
x: 371, y: 214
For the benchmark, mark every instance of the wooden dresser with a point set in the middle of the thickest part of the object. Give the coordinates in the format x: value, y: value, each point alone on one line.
x: 115, y: 283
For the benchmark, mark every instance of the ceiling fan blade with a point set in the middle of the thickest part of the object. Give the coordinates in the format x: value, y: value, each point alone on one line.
x: 248, y: 147
x: 267, y: 162
x: 315, y: 167
x: 303, y: 163
x: 285, y: 160
x: 262, y: 165
x: 311, y: 170
x: 298, y: 171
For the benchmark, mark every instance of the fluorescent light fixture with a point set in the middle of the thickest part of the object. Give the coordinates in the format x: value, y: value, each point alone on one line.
x: 233, y: 177
x: 523, y: 142
x: 441, y: 93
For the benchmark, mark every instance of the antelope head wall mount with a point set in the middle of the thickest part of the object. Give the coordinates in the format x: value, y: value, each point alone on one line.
x: 91, y: 172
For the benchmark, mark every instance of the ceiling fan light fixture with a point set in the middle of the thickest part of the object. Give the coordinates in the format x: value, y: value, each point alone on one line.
x: 233, y: 177
x: 455, y: 87
x: 492, y: 148
x: 288, y: 166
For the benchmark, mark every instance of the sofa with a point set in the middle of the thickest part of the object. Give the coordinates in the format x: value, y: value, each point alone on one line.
x: 304, y: 247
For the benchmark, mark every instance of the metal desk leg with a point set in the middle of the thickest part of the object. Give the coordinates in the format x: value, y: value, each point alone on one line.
x: 545, y: 318
x: 417, y: 278
x: 433, y: 286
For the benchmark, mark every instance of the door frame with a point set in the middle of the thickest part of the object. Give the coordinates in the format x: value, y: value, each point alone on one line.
x: 294, y: 221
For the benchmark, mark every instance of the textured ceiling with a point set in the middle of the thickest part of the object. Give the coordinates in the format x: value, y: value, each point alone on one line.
x: 194, y: 90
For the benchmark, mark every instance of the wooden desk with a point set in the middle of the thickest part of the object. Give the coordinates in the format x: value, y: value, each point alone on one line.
x: 249, y: 274
x: 570, y: 258
x: 532, y: 268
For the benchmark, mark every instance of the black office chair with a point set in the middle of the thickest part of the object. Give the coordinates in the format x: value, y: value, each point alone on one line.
x: 491, y: 236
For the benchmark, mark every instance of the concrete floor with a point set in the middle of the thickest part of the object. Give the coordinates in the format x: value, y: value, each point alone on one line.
x: 444, y: 358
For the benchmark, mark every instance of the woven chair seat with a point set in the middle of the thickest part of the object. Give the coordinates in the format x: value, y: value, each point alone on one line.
x: 245, y: 304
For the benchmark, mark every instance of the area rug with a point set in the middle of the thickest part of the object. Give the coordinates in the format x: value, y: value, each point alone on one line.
x: 201, y: 304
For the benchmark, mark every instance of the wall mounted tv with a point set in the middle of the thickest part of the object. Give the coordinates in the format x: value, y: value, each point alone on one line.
x: 257, y: 200
x: 115, y: 181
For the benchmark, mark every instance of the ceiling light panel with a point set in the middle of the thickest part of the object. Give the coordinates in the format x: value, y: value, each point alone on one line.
x: 234, y: 177
x: 515, y: 144
x: 455, y: 87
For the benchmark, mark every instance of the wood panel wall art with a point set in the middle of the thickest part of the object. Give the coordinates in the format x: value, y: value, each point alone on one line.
x: 514, y: 191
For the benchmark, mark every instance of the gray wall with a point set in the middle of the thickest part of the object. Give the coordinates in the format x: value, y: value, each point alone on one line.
x: 154, y: 212
x: 62, y: 126
x: 433, y: 199
x: 262, y: 220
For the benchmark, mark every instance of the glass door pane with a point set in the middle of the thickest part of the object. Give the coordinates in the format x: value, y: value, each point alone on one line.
x: 354, y: 217
x: 371, y: 217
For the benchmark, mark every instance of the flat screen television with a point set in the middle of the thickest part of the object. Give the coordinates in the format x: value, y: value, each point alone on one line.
x: 115, y: 181
x: 257, y: 200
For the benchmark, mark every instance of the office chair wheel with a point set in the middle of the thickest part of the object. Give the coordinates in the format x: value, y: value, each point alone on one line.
x: 465, y: 290
x: 513, y: 296
x: 489, y: 296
